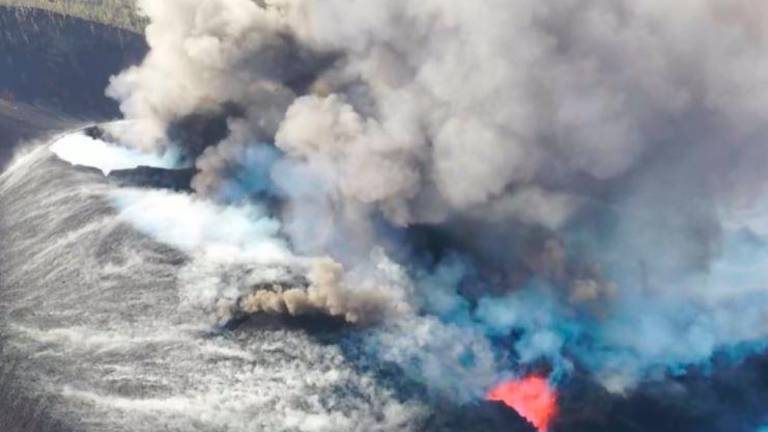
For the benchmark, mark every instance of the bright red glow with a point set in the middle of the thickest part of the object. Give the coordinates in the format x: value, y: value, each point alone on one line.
x: 531, y: 397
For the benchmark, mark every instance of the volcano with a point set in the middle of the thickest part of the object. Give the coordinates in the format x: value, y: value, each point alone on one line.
x: 329, y: 216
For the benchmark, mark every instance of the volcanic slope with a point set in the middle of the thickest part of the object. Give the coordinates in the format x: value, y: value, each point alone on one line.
x: 115, y: 13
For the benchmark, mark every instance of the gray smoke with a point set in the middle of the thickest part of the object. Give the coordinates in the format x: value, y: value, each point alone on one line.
x: 597, y: 165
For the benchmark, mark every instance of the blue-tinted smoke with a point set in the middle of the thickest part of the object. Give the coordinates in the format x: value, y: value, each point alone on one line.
x: 649, y: 328
x: 662, y: 314
x: 252, y: 178
x: 659, y: 318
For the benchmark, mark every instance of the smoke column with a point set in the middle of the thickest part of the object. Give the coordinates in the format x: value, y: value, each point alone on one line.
x: 493, y: 184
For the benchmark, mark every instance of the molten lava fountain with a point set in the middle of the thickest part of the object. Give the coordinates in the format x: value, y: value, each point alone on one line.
x: 531, y: 397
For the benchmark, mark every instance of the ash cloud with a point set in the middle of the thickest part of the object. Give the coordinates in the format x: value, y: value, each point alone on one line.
x: 588, y: 174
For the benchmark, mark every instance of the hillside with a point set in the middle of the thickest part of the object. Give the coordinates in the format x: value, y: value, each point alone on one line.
x: 118, y: 13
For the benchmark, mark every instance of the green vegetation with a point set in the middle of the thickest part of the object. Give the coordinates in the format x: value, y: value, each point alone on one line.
x: 119, y: 13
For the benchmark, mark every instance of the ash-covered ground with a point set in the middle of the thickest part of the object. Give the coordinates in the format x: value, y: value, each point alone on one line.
x: 92, y: 336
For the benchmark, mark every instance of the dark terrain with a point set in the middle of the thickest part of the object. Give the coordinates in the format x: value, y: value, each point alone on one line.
x: 53, y: 72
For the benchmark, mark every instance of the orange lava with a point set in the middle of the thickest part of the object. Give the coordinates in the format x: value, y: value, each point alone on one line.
x: 531, y: 397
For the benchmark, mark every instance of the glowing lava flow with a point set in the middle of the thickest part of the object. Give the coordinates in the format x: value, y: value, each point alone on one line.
x: 531, y: 397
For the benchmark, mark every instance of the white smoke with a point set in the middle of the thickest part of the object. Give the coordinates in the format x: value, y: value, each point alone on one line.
x: 80, y: 149
x: 195, y: 225
x: 240, y: 263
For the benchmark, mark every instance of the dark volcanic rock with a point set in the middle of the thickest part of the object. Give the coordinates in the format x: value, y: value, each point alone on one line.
x: 143, y: 176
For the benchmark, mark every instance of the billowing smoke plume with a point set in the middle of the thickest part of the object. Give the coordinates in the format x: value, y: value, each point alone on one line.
x: 241, y: 267
x: 578, y: 182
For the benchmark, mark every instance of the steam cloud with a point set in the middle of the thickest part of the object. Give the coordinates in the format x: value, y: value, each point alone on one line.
x: 586, y: 174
